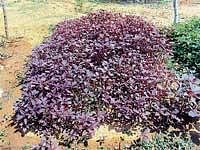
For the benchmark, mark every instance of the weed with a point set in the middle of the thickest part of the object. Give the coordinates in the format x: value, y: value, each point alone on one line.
x: 1, y: 105
x: 4, y: 55
x: 2, y: 41
x: 19, y: 77
x: 51, y: 28
x: 79, y: 5
x: 103, y: 148
x: 26, y: 147
x: 2, y: 136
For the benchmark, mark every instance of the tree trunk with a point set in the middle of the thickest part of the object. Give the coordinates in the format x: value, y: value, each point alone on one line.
x: 175, y: 7
x: 5, y: 18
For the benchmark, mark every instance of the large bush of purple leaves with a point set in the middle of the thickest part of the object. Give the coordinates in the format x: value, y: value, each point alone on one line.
x: 103, y: 68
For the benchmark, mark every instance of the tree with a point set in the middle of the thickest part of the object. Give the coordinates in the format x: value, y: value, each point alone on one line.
x: 5, y: 18
x: 175, y: 8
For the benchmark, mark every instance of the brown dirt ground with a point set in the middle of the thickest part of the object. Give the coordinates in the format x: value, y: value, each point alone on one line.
x: 19, y: 50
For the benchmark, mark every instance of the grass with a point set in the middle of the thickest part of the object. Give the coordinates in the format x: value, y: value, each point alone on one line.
x: 31, y: 19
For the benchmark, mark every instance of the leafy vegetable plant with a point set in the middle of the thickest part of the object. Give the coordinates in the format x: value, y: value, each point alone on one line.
x: 186, y: 38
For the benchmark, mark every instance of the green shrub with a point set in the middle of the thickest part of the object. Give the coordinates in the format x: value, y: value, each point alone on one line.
x: 163, y: 142
x: 186, y: 38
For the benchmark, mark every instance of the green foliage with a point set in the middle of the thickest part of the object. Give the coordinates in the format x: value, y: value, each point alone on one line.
x: 19, y: 76
x: 4, y: 55
x: 2, y: 136
x: 103, y: 148
x: 26, y: 147
x: 164, y: 142
x: 2, y: 41
x: 186, y: 38
x: 51, y: 28
x: 79, y: 5
x: 1, y: 106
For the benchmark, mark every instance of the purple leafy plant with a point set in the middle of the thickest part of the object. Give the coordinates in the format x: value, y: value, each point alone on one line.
x: 103, y: 68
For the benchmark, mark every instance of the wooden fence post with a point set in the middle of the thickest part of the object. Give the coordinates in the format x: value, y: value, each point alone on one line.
x: 5, y: 18
x: 175, y: 8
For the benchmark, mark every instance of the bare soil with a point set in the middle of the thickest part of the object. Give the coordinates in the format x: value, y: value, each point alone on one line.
x: 19, y: 51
